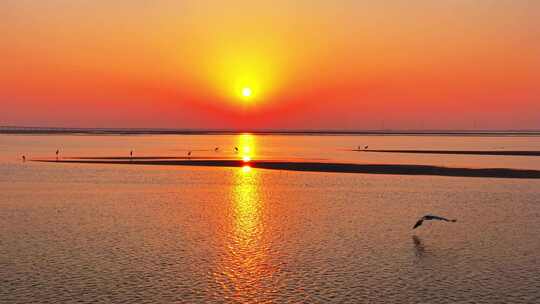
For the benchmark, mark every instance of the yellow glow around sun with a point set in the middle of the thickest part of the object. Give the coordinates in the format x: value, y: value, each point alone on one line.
x: 246, y: 73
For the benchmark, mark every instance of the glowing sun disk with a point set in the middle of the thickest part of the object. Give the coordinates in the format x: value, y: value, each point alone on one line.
x: 247, y: 92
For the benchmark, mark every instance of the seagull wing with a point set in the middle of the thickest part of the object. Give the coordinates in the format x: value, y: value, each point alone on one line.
x: 434, y: 217
x: 420, y: 221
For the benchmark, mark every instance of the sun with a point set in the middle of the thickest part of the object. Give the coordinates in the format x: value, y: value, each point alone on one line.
x: 247, y: 92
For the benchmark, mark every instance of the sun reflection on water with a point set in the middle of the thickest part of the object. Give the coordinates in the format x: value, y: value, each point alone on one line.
x: 247, y: 207
x: 244, y: 267
x: 246, y: 142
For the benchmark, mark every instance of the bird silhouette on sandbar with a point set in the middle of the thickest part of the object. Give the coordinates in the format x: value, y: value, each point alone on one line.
x: 430, y: 217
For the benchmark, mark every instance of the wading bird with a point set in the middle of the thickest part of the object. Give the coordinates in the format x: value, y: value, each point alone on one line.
x: 430, y: 217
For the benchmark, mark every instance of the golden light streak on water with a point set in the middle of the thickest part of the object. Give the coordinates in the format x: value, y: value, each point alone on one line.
x: 246, y: 144
x: 245, y: 266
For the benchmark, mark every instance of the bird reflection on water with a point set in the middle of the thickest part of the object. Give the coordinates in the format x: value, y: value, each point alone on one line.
x: 419, y: 249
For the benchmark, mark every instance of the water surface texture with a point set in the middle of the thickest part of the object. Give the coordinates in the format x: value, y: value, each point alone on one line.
x: 86, y: 233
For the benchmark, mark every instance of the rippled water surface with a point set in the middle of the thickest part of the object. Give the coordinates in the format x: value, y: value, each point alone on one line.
x: 90, y: 233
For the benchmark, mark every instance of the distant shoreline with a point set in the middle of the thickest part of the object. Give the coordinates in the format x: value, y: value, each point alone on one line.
x: 391, y: 169
x: 135, y: 131
x: 458, y: 152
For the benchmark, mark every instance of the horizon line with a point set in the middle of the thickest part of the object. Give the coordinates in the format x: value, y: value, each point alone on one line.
x: 6, y: 129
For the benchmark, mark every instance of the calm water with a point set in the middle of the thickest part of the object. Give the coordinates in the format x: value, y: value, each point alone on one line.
x: 144, y: 234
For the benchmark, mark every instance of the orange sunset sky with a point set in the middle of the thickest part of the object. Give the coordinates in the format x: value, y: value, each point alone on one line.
x: 448, y: 64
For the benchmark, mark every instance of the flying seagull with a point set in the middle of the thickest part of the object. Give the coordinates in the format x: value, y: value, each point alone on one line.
x: 189, y: 153
x: 430, y: 217
x: 365, y: 147
x: 236, y: 149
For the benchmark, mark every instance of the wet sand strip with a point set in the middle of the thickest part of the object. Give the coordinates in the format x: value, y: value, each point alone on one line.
x: 394, y: 169
x: 106, y: 158
x: 504, y: 153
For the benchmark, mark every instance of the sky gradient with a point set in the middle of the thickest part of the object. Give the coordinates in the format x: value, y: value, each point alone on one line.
x: 449, y: 64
